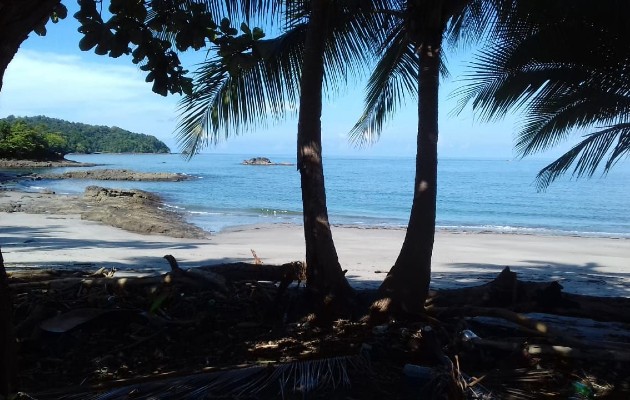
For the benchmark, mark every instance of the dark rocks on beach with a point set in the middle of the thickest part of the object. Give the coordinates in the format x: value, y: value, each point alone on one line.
x: 23, y: 164
x: 137, y: 211
x: 262, y: 161
x: 116, y: 175
x: 130, y: 209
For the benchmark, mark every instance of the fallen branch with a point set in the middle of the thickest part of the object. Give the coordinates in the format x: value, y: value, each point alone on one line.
x: 592, y: 354
x: 506, y: 291
x: 213, y: 276
x: 530, y: 324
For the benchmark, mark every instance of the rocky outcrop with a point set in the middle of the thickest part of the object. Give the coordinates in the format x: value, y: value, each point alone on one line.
x: 262, y: 161
x: 23, y: 164
x: 116, y: 175
x: 133, y: 210
x: 137, y: 211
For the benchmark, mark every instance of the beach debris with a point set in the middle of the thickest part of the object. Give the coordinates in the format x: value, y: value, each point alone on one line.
x: 74, y: 318
x: 417, y: 374
x: 507, y: 291
x: 177, y: 332
x: 257, y: 260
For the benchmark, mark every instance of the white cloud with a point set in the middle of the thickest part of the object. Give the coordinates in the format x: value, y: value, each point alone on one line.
x: 105, y: 93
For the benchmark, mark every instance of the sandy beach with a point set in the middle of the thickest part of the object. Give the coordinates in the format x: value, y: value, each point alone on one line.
x: 586, y: 265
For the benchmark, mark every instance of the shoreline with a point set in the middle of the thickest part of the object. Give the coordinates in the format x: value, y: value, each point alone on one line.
x: 132, y: 210
x: 461, y: 230
x: 11, y: 164
x: 43, y: 236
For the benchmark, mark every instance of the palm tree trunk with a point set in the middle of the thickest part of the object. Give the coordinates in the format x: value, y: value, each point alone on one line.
x: 7, y: 339
x: 407, y: 283
x: 323, y: 272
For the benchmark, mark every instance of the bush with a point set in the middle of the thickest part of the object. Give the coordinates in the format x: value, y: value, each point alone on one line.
x: 22, y: 141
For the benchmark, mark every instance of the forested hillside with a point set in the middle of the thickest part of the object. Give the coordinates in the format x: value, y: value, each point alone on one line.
x: 80, y: 138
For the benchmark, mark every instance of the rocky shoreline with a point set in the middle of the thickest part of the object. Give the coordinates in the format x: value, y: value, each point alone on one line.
x: 115, y: 175
x: 132, y: 210
x: 25, y: 164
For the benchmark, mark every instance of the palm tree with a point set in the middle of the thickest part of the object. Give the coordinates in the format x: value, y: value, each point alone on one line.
x: 410, y: 66
x: 7, y: 337
x: 324, y: 41
x: 566, y: 68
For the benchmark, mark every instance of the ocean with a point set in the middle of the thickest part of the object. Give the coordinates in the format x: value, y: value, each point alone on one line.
x: 473, y: 194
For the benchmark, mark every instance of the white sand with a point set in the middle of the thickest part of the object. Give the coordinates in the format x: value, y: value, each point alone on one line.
x: 598, y: 266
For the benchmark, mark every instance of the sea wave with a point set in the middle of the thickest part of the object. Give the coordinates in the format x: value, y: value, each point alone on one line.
x: 520, y: 230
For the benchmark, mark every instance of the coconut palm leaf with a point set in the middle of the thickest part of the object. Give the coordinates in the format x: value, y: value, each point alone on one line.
x: 234, y: 102
x: 552, y: 120
x: 266, y: 85
x: 587, y: 155
x: 395, y: 77
x: 565, y: 71
x: 393, y: 80
x: 280, y: 381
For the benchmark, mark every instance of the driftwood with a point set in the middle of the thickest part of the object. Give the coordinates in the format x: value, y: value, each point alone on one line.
x: 596, y: 354
x: 285, y: 273
x: 215, y: 277
x: 506, y: 291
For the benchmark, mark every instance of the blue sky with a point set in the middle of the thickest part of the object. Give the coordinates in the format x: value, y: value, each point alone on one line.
x: 51, y: 76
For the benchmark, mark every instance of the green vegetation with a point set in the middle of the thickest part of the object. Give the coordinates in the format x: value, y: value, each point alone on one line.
x: 20, y: 140
x: 49, y: 138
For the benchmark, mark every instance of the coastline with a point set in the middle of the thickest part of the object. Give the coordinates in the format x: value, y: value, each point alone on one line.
x: 48, y: 230
x: 6, y: 163
x: 133, y: 210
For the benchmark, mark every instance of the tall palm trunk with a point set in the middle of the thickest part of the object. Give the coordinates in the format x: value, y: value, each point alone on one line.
x: 325, y: 278
x: 18, y: 18
x: 407, y: 283
x: 7, y: 339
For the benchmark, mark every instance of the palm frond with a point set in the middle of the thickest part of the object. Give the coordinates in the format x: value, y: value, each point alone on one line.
x: 552, y: 118
x: 470, y: 22
x: 394, y: 78
x: 259, y: 11
x: 355, y: 29
x: 225, y: 103
x: 228, y: 104
x: 281, y: 381
x: 565, y: 70
x: 589, y: 154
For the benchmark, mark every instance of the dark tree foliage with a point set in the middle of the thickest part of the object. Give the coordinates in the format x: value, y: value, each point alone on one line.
x: 55, y: 137
x: 152, y: 32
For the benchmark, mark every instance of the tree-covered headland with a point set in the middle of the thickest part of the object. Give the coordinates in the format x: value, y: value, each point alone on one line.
x: 43, y: 138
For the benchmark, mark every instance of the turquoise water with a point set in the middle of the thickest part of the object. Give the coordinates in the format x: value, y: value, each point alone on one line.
x: 474, y: 195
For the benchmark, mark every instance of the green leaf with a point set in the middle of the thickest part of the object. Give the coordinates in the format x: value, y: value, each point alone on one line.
x: 225, y: 25
x: 40, y: 29
x: 157, y: 303
x: 88, y: 41
x: 245, y: 29
x: 61, y: 11
x: 258, y: 34
x: 101, y: 49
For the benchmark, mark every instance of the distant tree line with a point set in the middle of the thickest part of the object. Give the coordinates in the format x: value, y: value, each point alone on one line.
x: 41, y: 137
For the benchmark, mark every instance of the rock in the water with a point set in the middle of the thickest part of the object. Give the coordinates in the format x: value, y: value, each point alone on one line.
x: 262, y: 161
